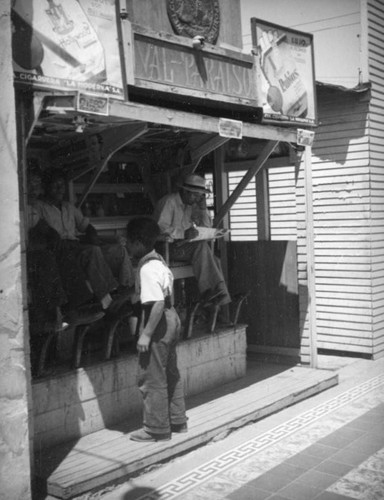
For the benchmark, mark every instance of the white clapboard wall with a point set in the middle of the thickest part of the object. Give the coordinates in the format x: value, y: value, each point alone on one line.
x: 341, y: 215
x: 375, y: 20
x: 243, y: 220
x: 348, y: 203
x: 282, y: 203
x: 348, y: 200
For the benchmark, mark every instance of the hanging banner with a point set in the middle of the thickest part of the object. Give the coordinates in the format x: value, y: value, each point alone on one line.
x: 285, y: 73
x: 67, y: 44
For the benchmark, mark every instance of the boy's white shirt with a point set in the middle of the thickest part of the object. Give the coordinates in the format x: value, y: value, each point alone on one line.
x: 156, y: 281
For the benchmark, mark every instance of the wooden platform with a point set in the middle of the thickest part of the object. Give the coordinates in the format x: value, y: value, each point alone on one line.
x: 109, y: 455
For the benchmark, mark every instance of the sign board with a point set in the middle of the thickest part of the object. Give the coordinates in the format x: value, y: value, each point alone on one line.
x: 67, y: 45
x: 285, y: 73
x: 91, y: 103
x: 305, y: 137
x: 176, y: 68
x: 230, y: 128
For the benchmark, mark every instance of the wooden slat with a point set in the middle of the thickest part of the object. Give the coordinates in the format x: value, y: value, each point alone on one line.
x: 110, y: 455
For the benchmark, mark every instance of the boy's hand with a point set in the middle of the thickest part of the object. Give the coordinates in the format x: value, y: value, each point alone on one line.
x: 143, y: 343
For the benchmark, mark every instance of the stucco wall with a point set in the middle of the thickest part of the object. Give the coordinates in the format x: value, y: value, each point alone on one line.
x: 14, y: 374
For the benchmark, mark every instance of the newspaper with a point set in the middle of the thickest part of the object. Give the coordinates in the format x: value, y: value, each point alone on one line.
x: 209, y: 233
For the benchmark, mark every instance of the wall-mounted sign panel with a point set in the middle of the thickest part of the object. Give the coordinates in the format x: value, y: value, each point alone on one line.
x: 285, y: 73
x: 173, y: 66
x: 68, y: 45
x: 305, y: 137
x: 95, y: 104
x: 232, y: 129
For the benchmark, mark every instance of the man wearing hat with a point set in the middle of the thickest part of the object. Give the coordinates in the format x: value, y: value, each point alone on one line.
x: 178, y: 214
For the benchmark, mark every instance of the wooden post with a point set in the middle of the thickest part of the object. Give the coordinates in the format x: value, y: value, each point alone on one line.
x: 312, y: 333
x: 262, y: 203
x: 263, y: 157
x: 221, y: 188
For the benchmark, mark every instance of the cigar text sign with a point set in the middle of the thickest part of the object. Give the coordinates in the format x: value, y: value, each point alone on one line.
x: 285, y: 73
x: 67, y: 44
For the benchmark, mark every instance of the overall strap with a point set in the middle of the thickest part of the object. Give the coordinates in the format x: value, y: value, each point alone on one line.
x: 147, y: 258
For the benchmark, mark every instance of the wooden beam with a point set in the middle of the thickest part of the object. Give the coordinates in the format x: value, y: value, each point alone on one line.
x: 37, y: 107
x: 197, y: 154
x: 312, y: 336
x: 364, y: 75
x: 207, y: 147
x: 258, y: 164
x: 262, y: 204
x: 191, y: 121
x: 148, y: 181
x: 278, y: 162
x: 114, y: 139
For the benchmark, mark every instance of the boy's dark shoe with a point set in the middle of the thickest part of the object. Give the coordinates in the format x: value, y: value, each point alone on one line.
x: 147, y: 437
x: 179, y: 428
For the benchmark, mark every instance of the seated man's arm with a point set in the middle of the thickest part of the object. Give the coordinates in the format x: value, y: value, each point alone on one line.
x: 165, y: 217
x: 41, y: 235
x: 84, y: 226
x: 200, y: 214
x: 91, y: 235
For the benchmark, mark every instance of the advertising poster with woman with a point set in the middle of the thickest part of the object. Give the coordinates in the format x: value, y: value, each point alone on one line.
x: 285, y: 73
x: 67, y: 44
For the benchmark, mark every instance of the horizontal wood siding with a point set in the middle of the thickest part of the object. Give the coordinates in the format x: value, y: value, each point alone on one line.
x: 376, y: 149
x: 242, y: 216
x: 283, y: 224
x: 341, y: 206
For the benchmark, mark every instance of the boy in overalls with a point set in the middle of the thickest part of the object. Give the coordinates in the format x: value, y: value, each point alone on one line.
x: 159, y: 328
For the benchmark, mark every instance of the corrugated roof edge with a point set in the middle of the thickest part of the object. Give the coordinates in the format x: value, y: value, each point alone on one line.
x: 361, y: 87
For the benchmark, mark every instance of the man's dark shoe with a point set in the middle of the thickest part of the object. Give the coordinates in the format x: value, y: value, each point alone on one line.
x: 147, y: 437
x: 179, y: 428
x: 84, y: 315
x: 120, y: 303
x: 213, y: 297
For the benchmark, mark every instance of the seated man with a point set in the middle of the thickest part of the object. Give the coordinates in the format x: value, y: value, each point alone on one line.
x: 177, y: 215
x: 55, y: 286
x: 67, y: 220
x: 57, y: 289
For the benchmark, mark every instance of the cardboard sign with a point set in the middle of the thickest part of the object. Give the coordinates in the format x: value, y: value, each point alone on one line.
x: 230, y: 128
x: 90, y: 103
x: 305, y: 137
x: 67, y: 44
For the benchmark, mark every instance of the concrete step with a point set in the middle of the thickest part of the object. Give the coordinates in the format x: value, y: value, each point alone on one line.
x: 109, y: 455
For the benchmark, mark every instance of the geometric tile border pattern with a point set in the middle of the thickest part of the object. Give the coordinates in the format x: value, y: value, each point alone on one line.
x: 219, y: 464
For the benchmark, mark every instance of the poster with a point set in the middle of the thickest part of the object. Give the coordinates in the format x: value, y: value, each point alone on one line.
x: 285, y: 73
x: 67, y: 44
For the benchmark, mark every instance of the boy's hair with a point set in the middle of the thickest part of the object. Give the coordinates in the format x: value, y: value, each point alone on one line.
x: 145, y: 230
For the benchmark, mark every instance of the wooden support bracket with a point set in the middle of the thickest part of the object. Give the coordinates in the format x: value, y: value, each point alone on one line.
x: 114, y: 139
x: 259, y: 162
x: 204, y: 149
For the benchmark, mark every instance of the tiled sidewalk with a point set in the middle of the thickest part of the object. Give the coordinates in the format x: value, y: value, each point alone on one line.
x: 335, y: 451
x: 348, y: 463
